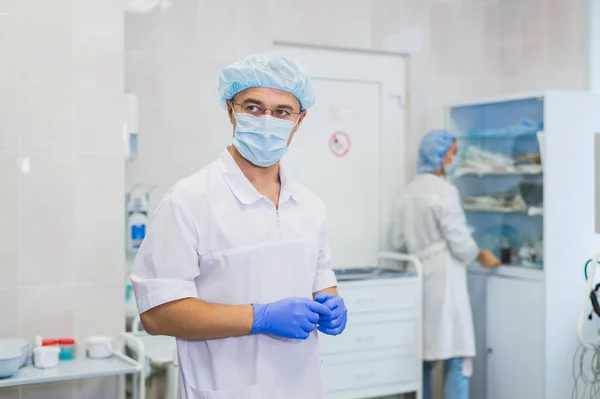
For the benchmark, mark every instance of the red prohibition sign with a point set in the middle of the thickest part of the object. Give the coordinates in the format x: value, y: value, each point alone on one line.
x: 339, y: 144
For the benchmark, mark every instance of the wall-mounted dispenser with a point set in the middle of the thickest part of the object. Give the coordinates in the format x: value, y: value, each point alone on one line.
x: 130, y: 126
x: 137, y: 202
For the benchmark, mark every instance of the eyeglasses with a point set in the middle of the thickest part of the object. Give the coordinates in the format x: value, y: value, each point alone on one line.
x: 256, y: 110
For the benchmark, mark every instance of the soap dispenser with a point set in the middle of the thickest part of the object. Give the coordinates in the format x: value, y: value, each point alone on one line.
x: 137, y: 216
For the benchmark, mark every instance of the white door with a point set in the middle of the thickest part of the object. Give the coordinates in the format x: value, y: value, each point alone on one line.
x: 336, y: 154
x: 515, y: 339
x: 350, y: 150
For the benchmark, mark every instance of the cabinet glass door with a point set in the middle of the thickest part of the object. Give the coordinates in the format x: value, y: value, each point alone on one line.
x: 499, y: 175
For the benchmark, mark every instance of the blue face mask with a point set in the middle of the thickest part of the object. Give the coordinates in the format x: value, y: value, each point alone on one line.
x: 451, y: 167
x: 262, y: 141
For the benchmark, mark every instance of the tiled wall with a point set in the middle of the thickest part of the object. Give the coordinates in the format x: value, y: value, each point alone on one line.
x: 465, y: 49
x: 61, y: 175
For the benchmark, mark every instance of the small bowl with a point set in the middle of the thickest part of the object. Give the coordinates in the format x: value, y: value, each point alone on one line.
x: 17, y: 343
x: 10, y: 358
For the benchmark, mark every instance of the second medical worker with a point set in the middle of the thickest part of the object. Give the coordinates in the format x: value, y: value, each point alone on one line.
x: 236, y: 264
x: 431, y: 224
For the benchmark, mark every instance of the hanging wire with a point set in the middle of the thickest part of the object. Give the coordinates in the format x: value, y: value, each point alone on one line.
x: 586, y: 373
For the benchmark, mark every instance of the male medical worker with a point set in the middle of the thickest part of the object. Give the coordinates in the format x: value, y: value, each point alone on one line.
x: 430, y: 224
x: 236, y: 264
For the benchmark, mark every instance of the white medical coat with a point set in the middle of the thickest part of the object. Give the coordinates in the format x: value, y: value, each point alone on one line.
x: 216, y: 238
x: 430, y: 224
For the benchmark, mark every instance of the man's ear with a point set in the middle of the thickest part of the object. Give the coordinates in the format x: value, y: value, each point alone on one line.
x: 230, y: 112
x: 300, y: 119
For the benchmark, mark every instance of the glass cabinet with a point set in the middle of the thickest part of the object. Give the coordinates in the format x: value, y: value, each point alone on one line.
x: 499, y: 174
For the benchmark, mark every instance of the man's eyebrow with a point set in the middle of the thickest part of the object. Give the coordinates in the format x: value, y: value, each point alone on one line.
x: 253, y: 101
x: 261, y: 104
x: 285, y: 106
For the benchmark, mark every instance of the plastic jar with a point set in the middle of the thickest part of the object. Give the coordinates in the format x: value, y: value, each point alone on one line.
x: 67, y: 348
x: 45, y: 357
x: 50, y: 342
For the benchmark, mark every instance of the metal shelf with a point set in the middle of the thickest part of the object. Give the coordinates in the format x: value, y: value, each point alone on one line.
x: 532, y: 211
x: 76, y: 369
x: 117, y: 365
x: 499, y: 174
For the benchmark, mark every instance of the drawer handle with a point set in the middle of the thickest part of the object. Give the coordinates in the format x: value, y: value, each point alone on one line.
x: 364, y: 376
x: 369, y: 338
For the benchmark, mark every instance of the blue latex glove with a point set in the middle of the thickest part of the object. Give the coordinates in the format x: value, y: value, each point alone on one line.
x: 334, y: 323
x: 288, y: 318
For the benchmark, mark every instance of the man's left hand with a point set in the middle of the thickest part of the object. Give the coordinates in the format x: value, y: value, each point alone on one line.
x: 335, y: 323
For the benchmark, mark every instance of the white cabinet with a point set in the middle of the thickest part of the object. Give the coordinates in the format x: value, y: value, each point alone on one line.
x: 516, y: 201
x: 379, y: 353
x: 478, y: 295
x: 508, y: 312
x: 514, y: 338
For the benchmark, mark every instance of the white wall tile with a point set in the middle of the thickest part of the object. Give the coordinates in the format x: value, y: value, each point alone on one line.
x: 396, y: 16
x: 99, y: 309
x: 57, y: 390
x: 47, y: 219
x: 98, y: 77
x: 48, y: 310
x: 562, y: 41
x: 343, y: 23
x: 107, y: 11
x: 533, y: 60
x: 97, y: 62
x: 469, y: 47
x: 491, y: 36
x: 10, y: 326
x: 9, y: 268
x: 44, y: 60
x: 9, y: 201
x: 8, y: 6
x: 99, y: 237
x: 9, y: 138
x: 173, y: 31
x: 98, y: 122
x: 444, y: 22
x: 60, y: 9
x: 248, y: 27
x: 511, y: 21
x: 534, y: 28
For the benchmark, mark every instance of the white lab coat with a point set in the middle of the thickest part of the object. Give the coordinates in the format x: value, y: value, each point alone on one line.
x: 217, y: 239
x: 430, y: 224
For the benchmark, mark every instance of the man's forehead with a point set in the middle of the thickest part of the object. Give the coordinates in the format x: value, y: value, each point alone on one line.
x: 267, y: 96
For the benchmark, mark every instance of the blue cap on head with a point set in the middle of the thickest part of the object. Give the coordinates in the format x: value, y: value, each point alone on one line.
x: 433, y: 148
x: 266, y: 70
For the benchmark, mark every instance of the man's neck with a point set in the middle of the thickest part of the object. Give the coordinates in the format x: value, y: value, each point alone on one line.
x: 261, y: 178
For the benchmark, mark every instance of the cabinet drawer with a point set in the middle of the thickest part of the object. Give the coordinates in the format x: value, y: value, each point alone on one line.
x: 358, y: 337
x: 380, y: 298
x: 392, y: 370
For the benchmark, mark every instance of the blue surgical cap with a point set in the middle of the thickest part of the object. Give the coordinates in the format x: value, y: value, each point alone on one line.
x: 266, y: 70
x: 433, y: 148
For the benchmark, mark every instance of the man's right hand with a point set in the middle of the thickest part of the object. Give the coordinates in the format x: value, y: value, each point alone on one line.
x: 487, y: 259
x: 288, y: 318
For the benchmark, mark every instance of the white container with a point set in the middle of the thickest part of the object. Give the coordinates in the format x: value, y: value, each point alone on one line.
x: 45, y: 357
x: 99, y: 347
